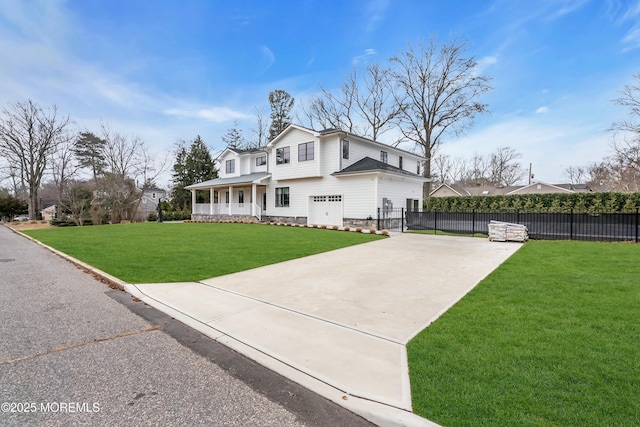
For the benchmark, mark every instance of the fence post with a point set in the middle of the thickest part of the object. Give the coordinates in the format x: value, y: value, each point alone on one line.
x: 402, y: 222
x: 518, y: 216
x: 473, y: 222
x: 435, y: 222
x: 637, y: 210
x: 571, y: 226
x: 378, y: 222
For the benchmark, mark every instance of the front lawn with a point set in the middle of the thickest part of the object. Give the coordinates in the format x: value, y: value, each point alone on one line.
x: 550, y: 338
x: 176, y: 252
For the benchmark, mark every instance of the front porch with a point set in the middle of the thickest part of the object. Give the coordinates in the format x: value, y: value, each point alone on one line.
x: 227, y: 209
x: 242, y: 197
x: 218, y: 203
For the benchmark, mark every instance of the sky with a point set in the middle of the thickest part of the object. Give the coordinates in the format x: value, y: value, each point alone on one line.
x: 166, y: 71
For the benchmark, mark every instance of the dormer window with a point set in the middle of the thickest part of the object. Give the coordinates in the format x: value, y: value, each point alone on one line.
x: 384, y: 157
x: 231, y: 166
x: 261, y: 161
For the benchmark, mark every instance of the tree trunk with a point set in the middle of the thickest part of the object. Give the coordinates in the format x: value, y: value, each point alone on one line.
x: 426, y: 172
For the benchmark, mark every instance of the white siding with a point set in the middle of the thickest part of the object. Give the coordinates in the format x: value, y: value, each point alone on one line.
x: 359, y: 149
x: 295, y: 169
x: 222, y: 160
x: 398, y: 190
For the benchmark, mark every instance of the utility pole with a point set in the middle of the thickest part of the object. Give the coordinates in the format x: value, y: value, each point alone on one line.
x: 530, y: 176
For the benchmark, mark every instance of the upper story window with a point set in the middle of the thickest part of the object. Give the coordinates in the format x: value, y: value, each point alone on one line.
x: 345, y: 149
x: 400, y: 162
x: 282, y: 155
x: 384, y: 157
x: 260, y: 161
x: 305, y: 151
x: 231, y: 166
x: 418, y: 168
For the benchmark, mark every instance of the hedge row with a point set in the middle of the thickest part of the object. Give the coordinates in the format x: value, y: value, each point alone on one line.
x: 538, y: 203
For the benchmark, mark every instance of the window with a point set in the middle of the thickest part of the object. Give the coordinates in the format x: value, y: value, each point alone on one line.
x: 400, y: 162
x: 384, y: 157
x: 282, y: 155
x: 260, y: 161
x: 231, y: 166
x: 345, y: 149
x: 418, y: 169
x: 153, y: 196
x: 282, y: 197
x: 241, y: 197
x: 226, y: 197
x: 305, y: 151
x: 216, y: 197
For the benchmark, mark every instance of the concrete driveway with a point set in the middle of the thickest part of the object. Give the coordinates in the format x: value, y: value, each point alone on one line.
x: 338, y: 322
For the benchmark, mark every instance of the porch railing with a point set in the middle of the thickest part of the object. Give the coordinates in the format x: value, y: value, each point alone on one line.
x: 226, y: 209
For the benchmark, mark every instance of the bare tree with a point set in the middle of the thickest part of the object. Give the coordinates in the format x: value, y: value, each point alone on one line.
x: 630, y: 98
x: 123, y: 155
x: 365, y: 105
x: 503, y: 168
x: 442, y: 169
x: 29, y: 136
x: 575, y: 174
x: 625, y: 162
x: 440, y: 88
x: 329, y: 111
x: 63, y: 167
x: 377, y: 105
x: 261, y: 129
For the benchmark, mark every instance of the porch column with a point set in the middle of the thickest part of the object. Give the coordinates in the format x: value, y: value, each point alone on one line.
x: 211, y: 201
x: 193, y: 201
x: 254, y: 194
x: 230, y: 200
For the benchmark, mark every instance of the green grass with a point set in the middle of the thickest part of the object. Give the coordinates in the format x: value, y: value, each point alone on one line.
x: 550, y: 338
x: 175, y: 252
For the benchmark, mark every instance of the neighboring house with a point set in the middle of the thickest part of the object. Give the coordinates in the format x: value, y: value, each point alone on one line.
x: 149, y: 202
x: 49, y: 212
x: 448, y: 190
x: 325, y: 177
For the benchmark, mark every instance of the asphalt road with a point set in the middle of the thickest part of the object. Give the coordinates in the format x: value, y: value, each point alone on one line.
x: 75, y: 352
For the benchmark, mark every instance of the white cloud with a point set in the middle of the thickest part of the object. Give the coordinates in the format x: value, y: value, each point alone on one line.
x: 368, y: 53
x: 269, y: 57
x: 542, y: 110
x: 375, y: 12
x: 212, y: 114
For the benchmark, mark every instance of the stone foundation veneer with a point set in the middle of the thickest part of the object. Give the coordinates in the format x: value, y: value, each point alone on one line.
x: 347, y: 222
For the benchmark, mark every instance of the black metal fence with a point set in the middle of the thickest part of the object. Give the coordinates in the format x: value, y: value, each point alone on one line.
x: 541, y: 226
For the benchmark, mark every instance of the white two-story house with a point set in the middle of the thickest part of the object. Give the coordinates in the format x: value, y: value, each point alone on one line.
x: 327, y: 177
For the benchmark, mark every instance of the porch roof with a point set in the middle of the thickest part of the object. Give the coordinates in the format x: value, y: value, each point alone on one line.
x: 252, y: 178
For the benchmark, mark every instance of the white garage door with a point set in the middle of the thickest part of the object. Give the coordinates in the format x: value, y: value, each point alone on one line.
x: 325, y: 210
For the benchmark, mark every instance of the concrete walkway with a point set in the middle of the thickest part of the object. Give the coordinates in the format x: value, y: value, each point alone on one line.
x: 338, y: 322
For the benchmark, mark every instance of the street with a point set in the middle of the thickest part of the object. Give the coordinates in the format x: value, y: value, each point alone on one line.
x: 75, y: 352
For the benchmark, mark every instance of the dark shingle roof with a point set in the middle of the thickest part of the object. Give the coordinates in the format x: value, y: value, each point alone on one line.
x: 368, y: 164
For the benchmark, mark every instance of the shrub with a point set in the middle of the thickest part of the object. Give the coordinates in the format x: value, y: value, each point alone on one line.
x: 358, y: 229
x: 152, y: 217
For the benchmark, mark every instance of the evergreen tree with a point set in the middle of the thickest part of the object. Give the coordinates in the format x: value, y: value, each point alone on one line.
x: 192, y: 166
x: 89, y: 150
x: 233, y: 138
x: 281, y: 104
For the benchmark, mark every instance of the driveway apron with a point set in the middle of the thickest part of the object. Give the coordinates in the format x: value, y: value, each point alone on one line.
x: 338, y: 322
